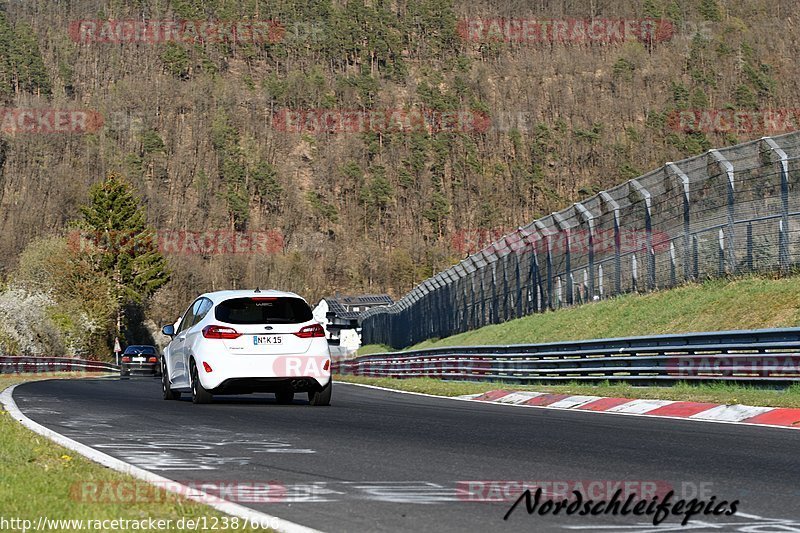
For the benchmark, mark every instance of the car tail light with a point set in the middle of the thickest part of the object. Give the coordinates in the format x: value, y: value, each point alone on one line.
x: 263, y: 299
x: 126, y: 359
x: 152, y: 360
x: 327, y: 365
x: 314, y: 330
x: 220, y: 332
x: 207, y: 367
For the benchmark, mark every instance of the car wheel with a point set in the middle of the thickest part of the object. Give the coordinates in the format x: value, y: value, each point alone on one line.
x: 124, y: 373
x: 199, y: 394
x: 168, y: 393
x: 284, y: 397
x: 322, y: 396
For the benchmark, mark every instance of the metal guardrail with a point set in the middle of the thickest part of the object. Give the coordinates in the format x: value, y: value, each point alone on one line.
x: 769, y: 355
x: 38, y: 365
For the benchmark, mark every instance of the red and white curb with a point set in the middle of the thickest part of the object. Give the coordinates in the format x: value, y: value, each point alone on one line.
x: 710, y: 412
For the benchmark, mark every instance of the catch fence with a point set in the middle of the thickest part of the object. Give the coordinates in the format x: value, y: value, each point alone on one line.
x: 729, y: 211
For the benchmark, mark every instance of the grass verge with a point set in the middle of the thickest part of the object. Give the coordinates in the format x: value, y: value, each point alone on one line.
x: 744, y: 303
x: 40, y: 478
x: 723, y: 393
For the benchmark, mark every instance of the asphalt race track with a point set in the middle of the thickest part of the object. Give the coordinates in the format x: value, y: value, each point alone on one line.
x: 385, y: 461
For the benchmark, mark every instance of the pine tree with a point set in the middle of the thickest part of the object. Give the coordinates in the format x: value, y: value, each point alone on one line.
x: 124, y: 248
x: 6, y: 51
x: 31, y: 74
x: 22, y: 68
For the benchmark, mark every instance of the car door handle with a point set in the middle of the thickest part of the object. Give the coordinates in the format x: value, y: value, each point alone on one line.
x: 181, y: 339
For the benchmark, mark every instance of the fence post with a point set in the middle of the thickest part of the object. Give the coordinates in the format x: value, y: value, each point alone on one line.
x: 483, y: 304
x: 696, y: 257
x: 783, y: 242
x: 436, y: 317
x: 437, y: 312
x: 730, y: 237
x: 559, y: 293
x: 534, y: 284
x: 687, y: 238
x: 549, y: 264
x: 672, y: 277
x: 518, y: 302
x: 783, y: 248
x: 589, y: 218
x: 493, y: 302
x: 446, y: 305
x: 721, y: 269
x: 600, y: 280
x: 648, y: 228
x: 564, y: 226
x: 461, y: 322
x: 441, y: 311
x: 473, y: 303
x: 413, y: 327
x: 505, y: 289
x: 528, y: 244
x: 453, y: 299
x: 429, y: 307
x: 749, y: 257
x: 606, y: 198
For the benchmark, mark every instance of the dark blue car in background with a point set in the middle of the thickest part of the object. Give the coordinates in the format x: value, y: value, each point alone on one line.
x: 141, y: 359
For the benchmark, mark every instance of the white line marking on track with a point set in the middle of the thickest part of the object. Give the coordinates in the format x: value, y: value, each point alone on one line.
x: 229, y: 508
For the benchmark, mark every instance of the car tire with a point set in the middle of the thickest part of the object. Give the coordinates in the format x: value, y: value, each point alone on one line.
x: 167, y: 392
x: 284, y: 397
x: 199, y: 394
x: 321, y: 396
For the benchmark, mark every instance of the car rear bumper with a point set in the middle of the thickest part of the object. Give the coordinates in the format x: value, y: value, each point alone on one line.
x: 250, y: 385
x: 140, y: 368
x: 264, y: 373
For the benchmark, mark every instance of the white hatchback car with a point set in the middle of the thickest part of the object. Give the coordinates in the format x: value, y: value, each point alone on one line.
x: 240, y: 342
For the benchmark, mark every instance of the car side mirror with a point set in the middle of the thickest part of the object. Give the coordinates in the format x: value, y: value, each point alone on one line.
x: 168, y: 330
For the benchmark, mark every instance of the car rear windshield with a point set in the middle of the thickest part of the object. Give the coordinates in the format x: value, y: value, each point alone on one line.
x: 148, y: 350
x: 263, y: 310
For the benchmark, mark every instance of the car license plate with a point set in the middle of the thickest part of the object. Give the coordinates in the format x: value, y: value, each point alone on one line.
x: 267, y: 339
x: 138, y: 359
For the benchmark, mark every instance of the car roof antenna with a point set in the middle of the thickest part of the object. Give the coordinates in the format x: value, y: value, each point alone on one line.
x: 257, y: 290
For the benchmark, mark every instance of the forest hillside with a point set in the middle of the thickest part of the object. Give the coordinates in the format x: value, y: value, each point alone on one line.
x: 218, y: 135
